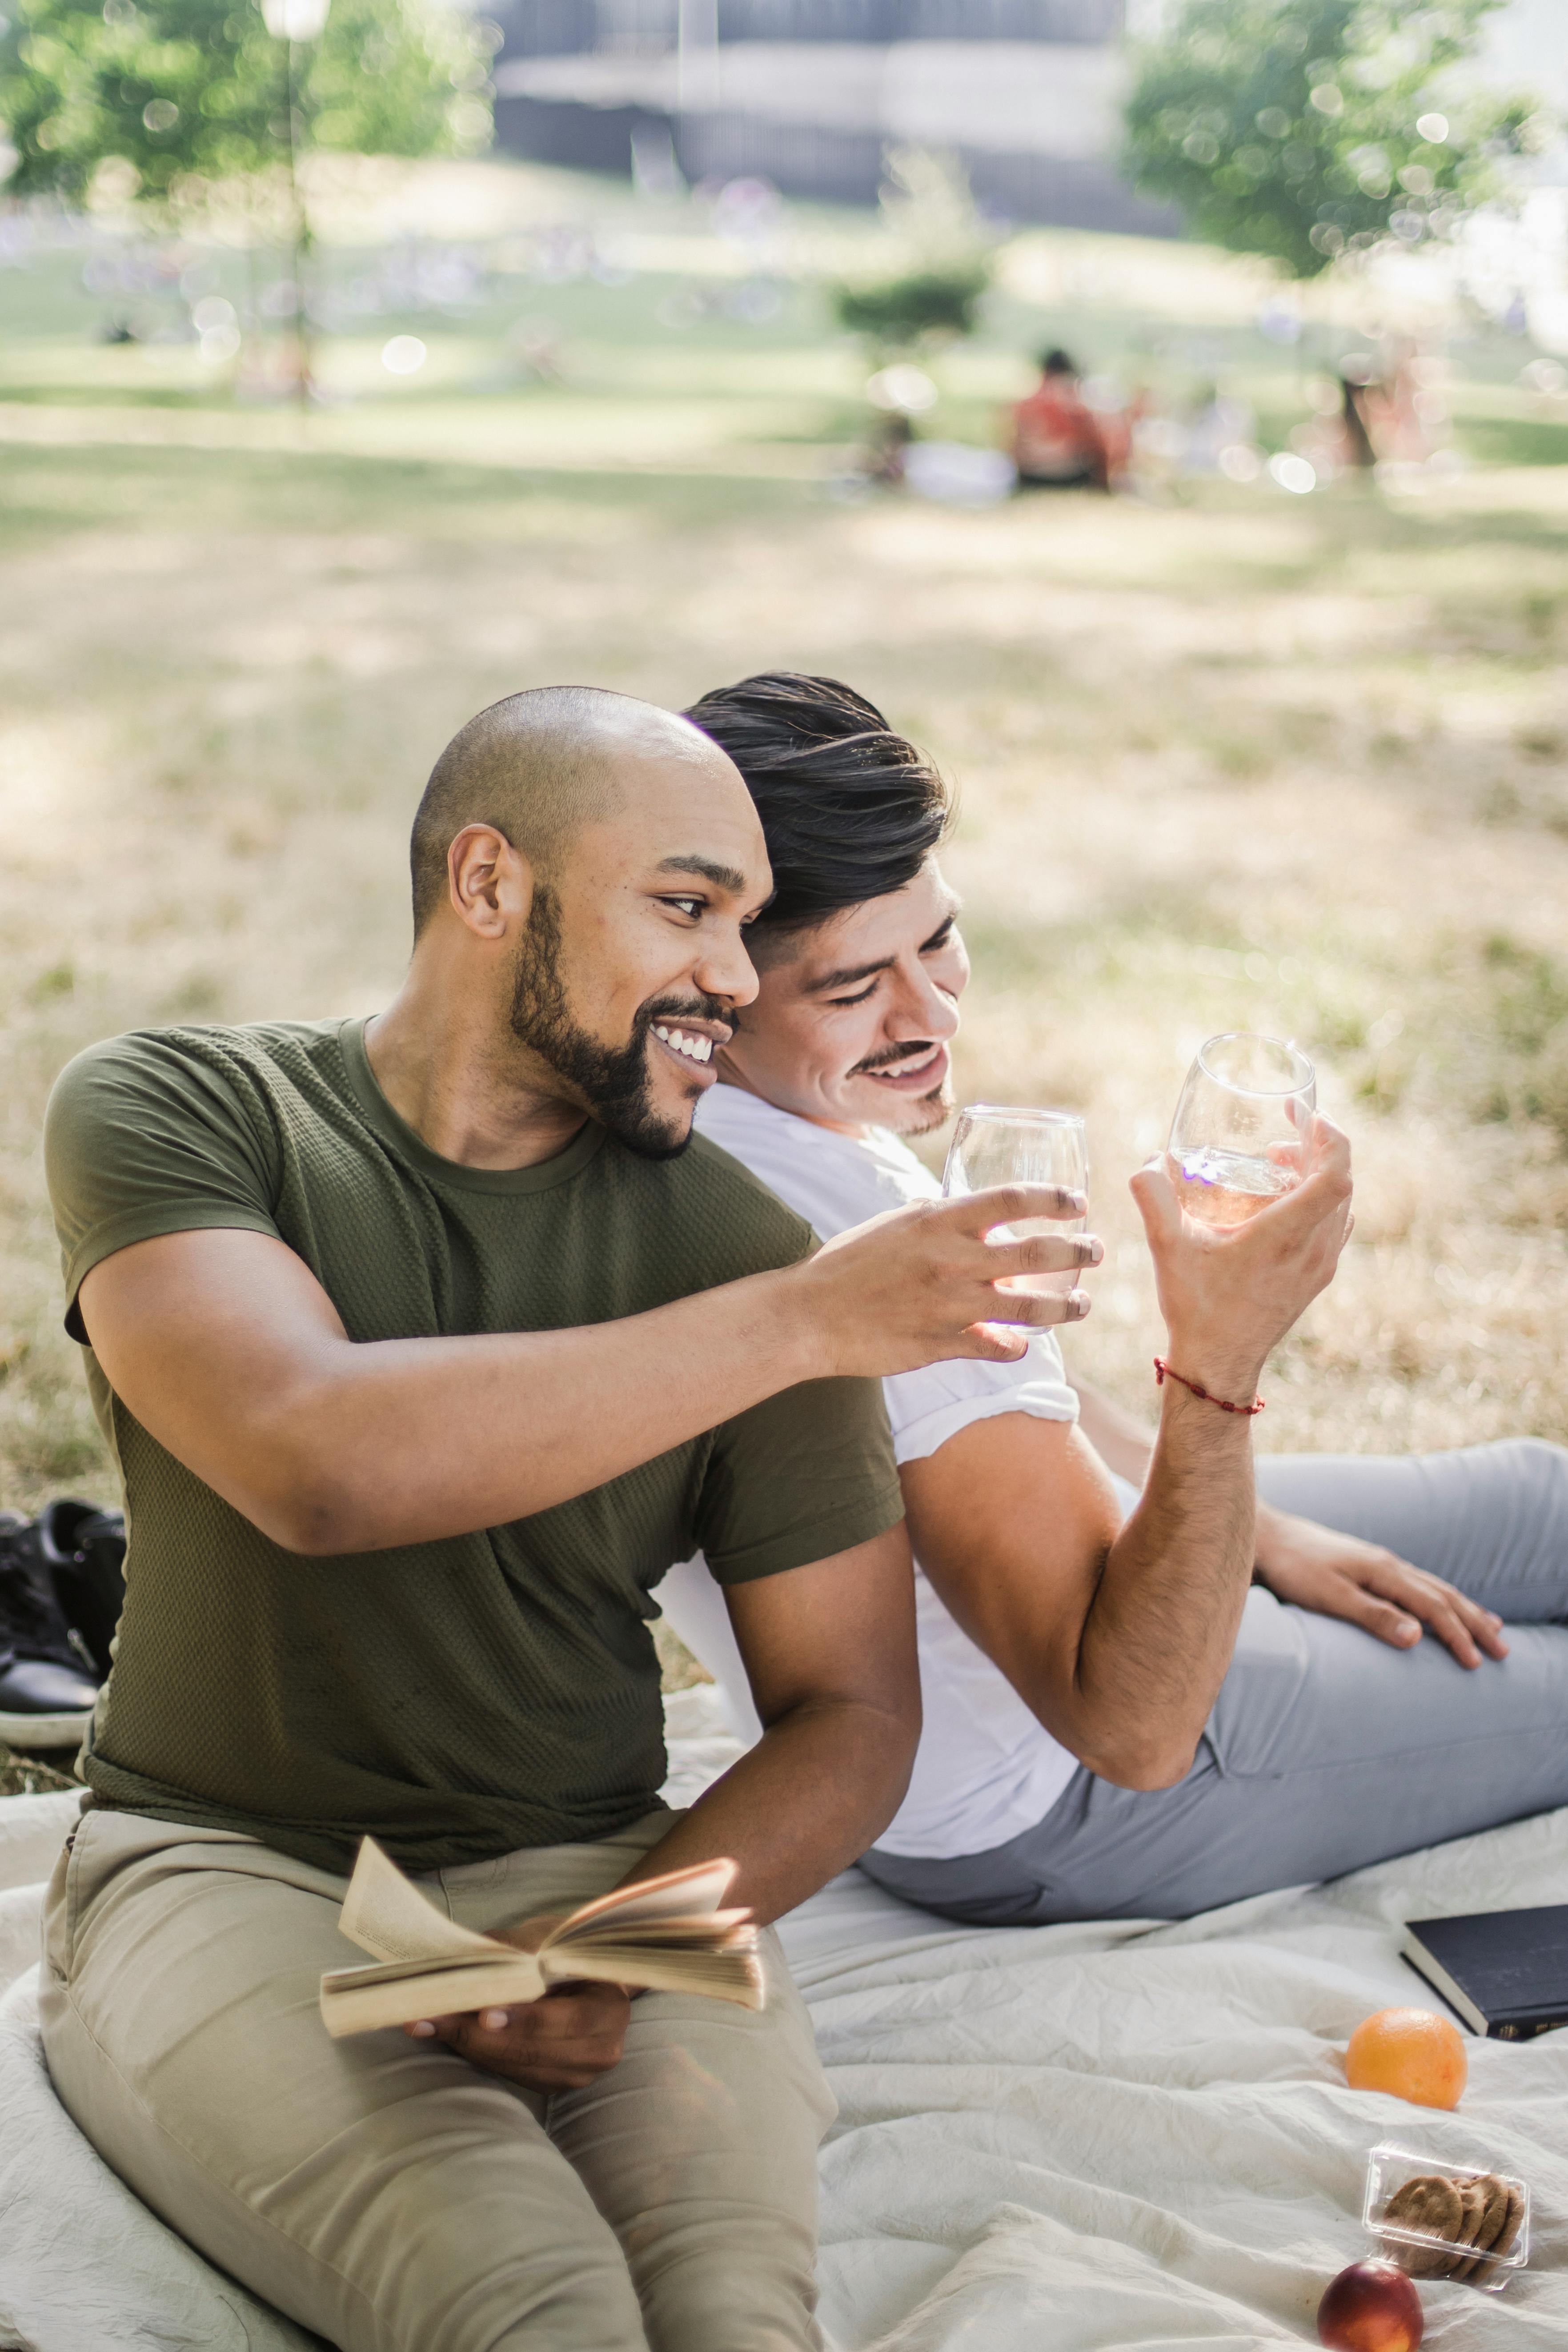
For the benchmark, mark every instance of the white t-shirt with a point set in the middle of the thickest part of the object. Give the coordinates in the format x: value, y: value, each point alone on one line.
x: 986, y: 1768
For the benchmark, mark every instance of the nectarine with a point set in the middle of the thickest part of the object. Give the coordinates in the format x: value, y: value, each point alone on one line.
x: 1370, y: 2307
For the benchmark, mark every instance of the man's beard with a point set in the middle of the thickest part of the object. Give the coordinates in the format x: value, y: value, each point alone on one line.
x: 613, y: 1081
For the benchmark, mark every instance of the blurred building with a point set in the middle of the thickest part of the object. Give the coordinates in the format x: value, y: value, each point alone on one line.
x: 807, y: 93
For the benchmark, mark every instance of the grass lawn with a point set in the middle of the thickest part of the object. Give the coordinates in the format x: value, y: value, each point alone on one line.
x: 1246, y: 760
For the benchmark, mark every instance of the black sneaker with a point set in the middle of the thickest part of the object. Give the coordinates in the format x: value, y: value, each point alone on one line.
x: 48, y: 1689
x: 83, y: 1550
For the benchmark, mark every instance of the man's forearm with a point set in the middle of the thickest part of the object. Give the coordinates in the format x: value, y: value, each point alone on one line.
x: 819, y: 1787
x: 1161, y: 1629
x: 407, y: 1441
x: 331, y: 1445
x: 230, y: 1353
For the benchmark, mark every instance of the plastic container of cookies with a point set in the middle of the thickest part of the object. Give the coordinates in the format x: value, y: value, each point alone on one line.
x: 1443, y: 2219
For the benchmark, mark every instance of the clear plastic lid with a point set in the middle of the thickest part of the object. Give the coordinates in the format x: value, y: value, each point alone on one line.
x: 1433, y: 2234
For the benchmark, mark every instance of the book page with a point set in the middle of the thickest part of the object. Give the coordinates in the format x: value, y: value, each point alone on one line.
x: 385, y: 1915
x: 734, y: 1976
x: 679, y: 1894
x: 715, y: 1931
x: 365, y: 2000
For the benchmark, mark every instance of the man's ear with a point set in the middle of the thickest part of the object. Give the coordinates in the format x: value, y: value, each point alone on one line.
x: 489, y: 884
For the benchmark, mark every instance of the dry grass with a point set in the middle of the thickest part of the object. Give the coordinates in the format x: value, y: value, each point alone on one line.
x: 1251, y: 763
x: 25, y: 1776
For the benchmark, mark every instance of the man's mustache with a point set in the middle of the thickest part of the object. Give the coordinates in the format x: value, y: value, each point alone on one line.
x: 684, y: 1008
x: 918, y: 1050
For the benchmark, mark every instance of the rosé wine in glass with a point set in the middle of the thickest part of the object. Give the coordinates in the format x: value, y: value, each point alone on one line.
x: 1242, y: 1123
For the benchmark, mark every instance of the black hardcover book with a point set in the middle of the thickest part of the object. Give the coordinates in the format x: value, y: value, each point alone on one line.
x: 1504, y: 1972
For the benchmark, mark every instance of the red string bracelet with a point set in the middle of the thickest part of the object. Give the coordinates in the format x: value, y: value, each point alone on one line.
x: 1164, y: 1371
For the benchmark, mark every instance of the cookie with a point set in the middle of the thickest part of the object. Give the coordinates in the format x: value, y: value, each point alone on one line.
x: 1434, y: 2205
x: 1494, y: 2213
x: 1473, y: 2197
x: 1498, y: 2228
x: 1511, y: 2219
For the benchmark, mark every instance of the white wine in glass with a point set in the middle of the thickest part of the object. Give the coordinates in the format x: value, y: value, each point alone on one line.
x: 1242, y: 1125
x: 995, y: 1145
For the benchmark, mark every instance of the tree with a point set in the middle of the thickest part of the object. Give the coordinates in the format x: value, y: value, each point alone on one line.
x: 936, y: 262
x: 1306, y: 129
x: 191, y: 94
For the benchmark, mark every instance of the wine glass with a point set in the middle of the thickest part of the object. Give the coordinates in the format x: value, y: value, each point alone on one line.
x: 995, y: 1145
x: 1242, y: 1121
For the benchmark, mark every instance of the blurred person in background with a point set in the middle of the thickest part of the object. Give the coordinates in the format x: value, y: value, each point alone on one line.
x: 1144, y: 1693
x: 890, y: 435
x: 424, y: 1344
x: 1059, y: 441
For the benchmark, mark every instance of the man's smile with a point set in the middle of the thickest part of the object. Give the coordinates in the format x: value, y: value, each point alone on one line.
x: 691, y: 1044
x: 924, y: 1069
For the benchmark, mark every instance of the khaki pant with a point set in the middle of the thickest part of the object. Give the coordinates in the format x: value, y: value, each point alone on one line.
x: 385, y: 2192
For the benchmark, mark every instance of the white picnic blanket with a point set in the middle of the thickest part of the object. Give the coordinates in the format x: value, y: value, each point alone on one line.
x: 1055, y: 2139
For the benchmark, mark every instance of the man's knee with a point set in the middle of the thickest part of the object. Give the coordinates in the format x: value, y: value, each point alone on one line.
x: 1543, y: 1463
x: 728, y: 2296
x: 586, y: 2304
x: 1536, y: 1475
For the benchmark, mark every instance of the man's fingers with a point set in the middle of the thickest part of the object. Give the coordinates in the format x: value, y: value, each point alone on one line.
x: 583, y: 2020
x: 1384, y: 1618
x: 1155, y: 1196
x: 1442, y: 1619
x: 1462, y: 1624
x: 1038, y: 1310
x: 1326, y: 1186
x: 1042, y: 1253
x: 1002, y: 1342
x: 1009, y: 1204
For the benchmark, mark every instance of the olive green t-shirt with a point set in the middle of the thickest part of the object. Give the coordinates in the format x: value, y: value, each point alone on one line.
x: 461, y: 1698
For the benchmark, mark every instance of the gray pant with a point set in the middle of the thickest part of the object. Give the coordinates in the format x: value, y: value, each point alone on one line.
x: 1326, y: 1750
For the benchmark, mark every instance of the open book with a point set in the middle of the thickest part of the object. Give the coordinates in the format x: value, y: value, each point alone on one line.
x: 667, y: 1934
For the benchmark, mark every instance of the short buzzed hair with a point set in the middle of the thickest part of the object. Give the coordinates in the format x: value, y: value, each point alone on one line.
x: 535, y: 765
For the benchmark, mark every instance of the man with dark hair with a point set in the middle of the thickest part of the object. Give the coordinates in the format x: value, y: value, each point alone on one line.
x: 423, y: 1345
x: 825, y: 753
x: 1117, y: 1720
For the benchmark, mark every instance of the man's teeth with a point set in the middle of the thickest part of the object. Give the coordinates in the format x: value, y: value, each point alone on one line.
x: 696, y: 1049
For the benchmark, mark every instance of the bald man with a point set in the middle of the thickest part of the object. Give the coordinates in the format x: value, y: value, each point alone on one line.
x: 425, y: 1344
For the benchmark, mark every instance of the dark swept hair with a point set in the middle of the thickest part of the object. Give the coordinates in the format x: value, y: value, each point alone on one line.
x: 851, y: 811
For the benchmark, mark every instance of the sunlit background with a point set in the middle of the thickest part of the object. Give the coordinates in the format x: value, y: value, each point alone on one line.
x: 670, y: 342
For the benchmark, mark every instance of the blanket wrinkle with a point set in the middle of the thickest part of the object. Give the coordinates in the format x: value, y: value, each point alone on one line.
x: 85, y: 2264
x: 1104, y: 2136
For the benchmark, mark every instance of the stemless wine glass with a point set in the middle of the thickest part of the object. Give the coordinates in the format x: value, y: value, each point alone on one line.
x: 1244, y: 1115
x: 995, y: 1145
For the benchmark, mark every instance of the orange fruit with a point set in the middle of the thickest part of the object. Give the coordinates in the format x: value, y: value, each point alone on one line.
x: 1410, y: 2053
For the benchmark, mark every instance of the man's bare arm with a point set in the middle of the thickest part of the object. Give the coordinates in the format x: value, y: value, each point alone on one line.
x: 1320, y: 1567
x: 1118, y: 1641
x: 230, y: 1353
x: 830, y: 1650
x: 830, y: 1654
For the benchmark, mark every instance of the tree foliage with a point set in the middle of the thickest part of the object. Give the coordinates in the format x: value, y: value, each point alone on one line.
x: 919, y: 303
x: 192, y: 93
x: 1302, y: 128
x: 936, y: 260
